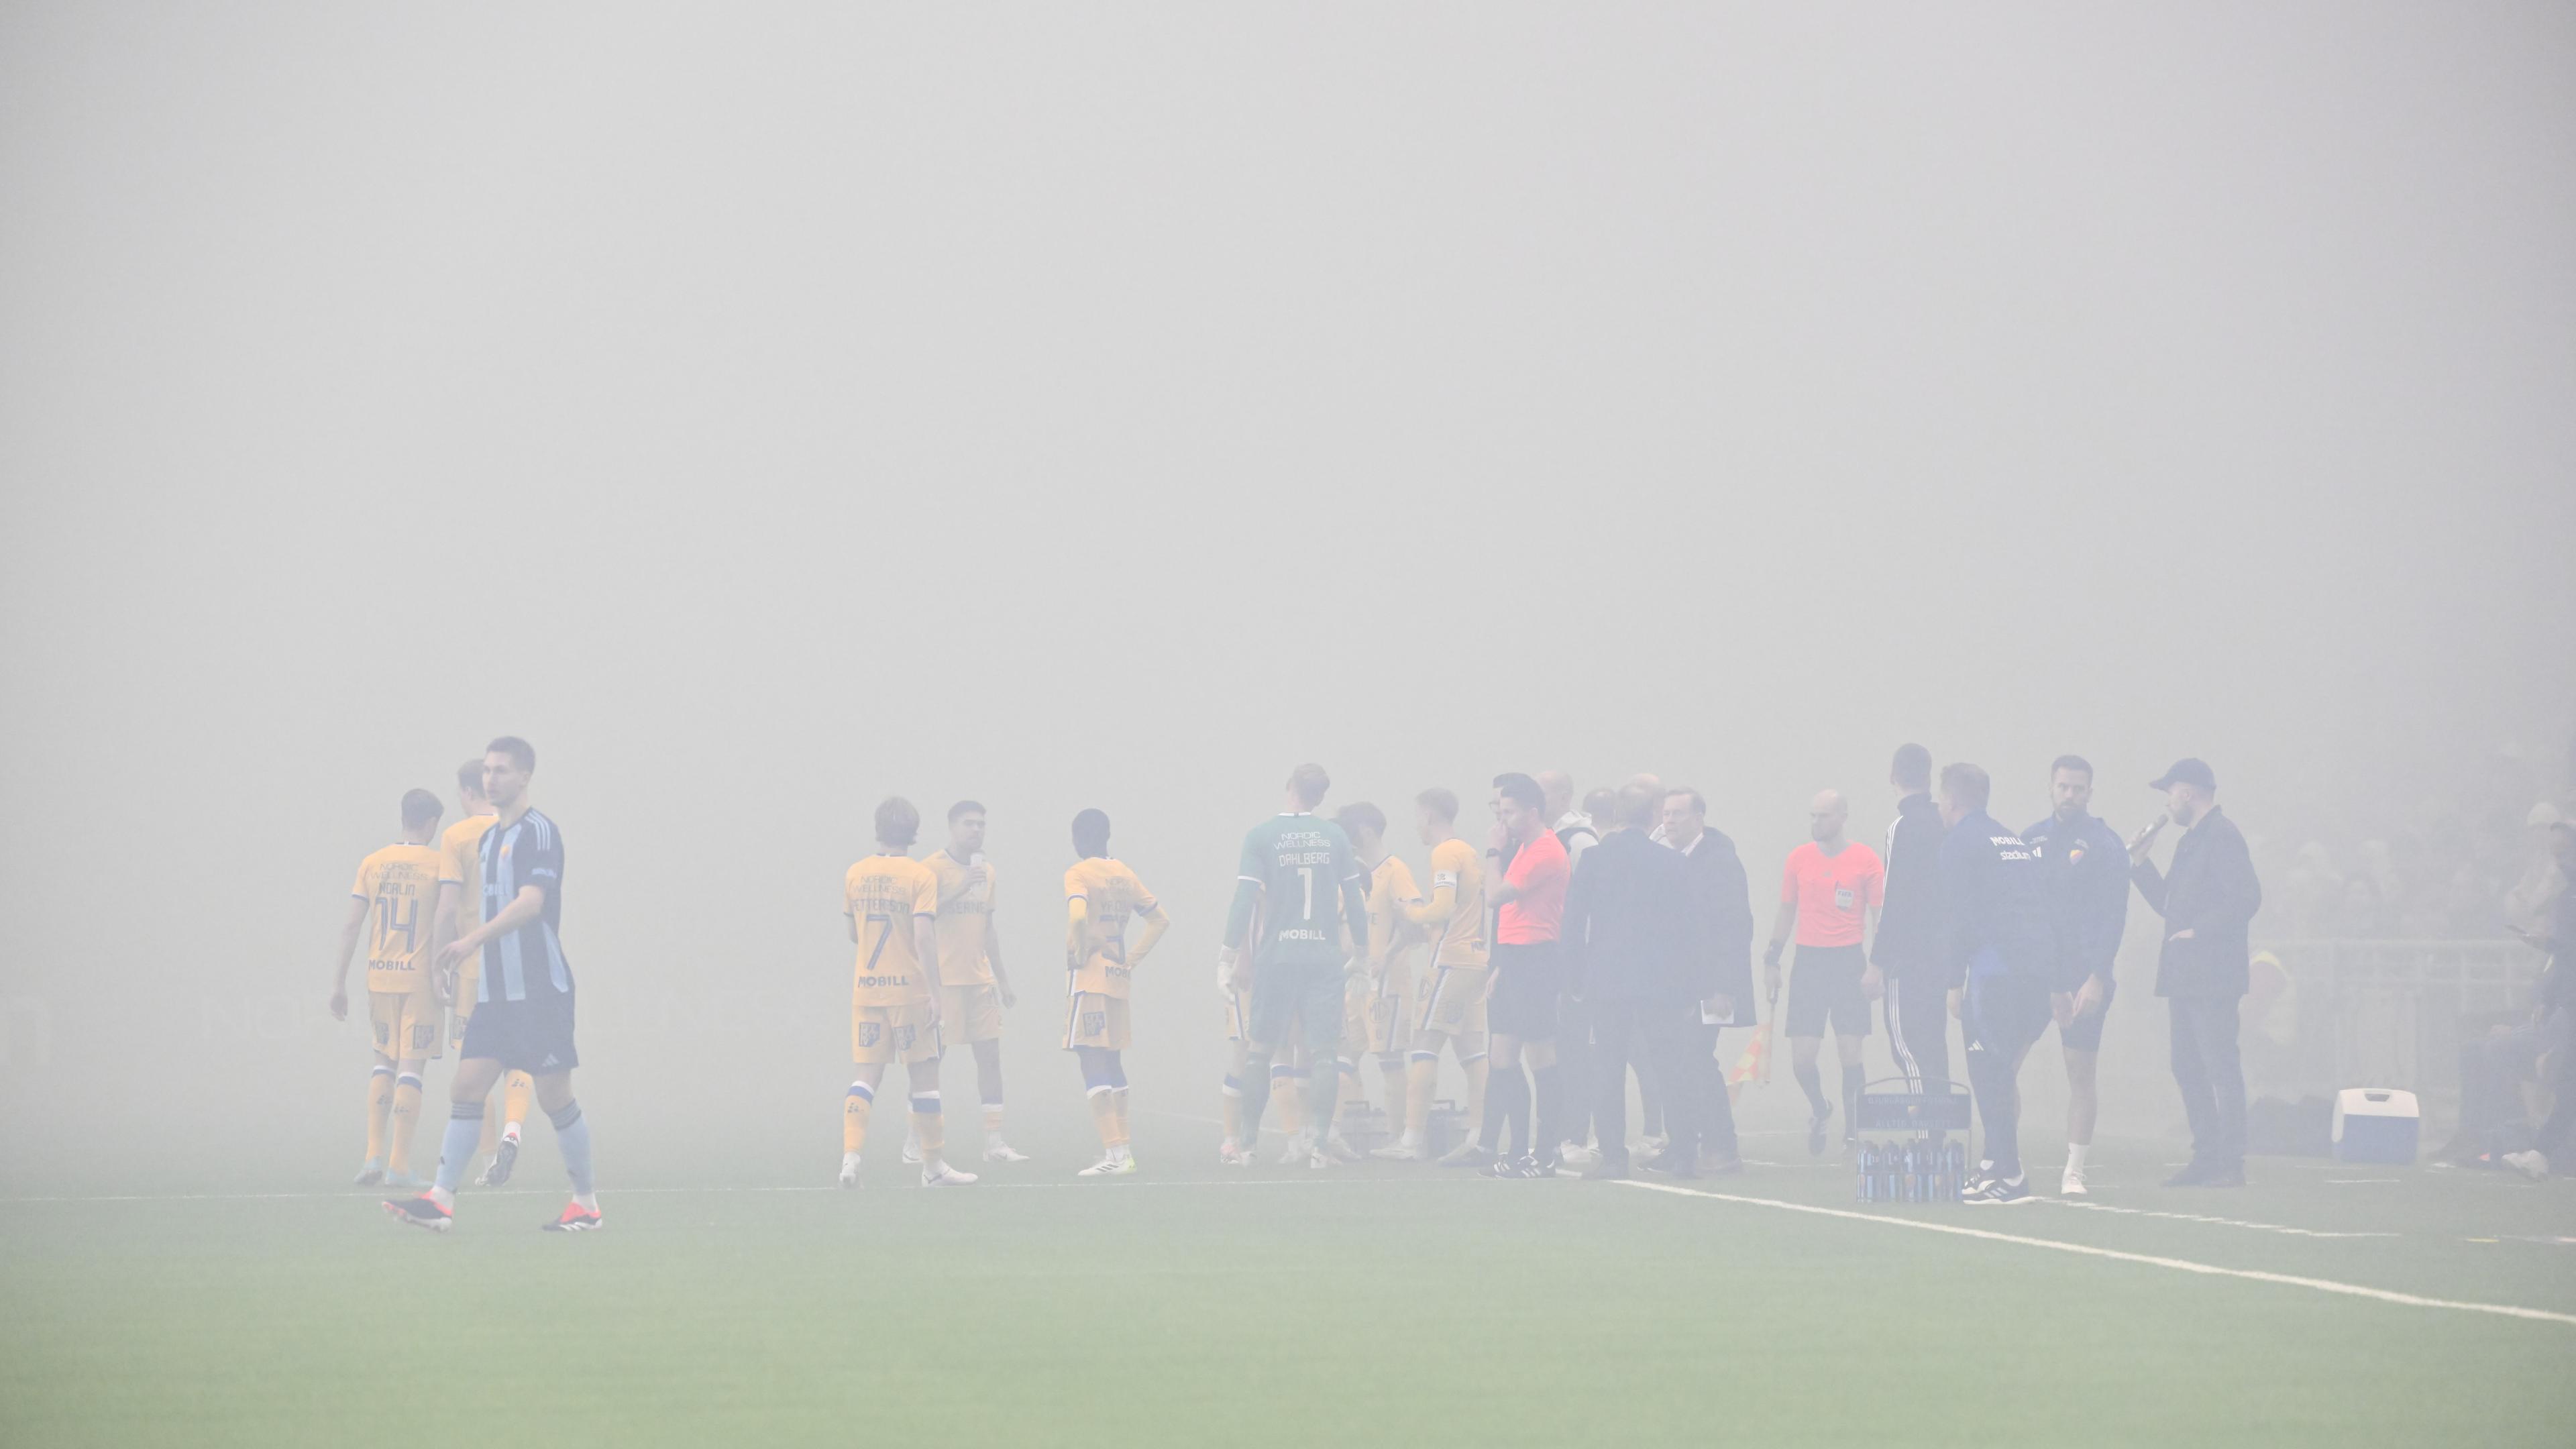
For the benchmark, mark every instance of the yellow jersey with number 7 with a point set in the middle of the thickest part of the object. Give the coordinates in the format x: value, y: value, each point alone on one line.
x: 883, y: 895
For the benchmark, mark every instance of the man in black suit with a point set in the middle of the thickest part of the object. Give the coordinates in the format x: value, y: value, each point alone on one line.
x: 1638, y: 943
x: 2208, y: 897
x: 1726, y: 982
x: 1905, y: 959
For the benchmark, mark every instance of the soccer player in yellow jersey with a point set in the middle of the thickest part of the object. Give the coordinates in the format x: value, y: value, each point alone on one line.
x: 393, y: 900
x: 1451, y: 1010
x: 1100, y: 894
x: 1379, y: 994
x: 460, y: 855
x: 973, y: 987
x: 892, y: 901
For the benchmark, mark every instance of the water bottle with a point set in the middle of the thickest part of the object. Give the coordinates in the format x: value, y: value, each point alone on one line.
x: 1913, y: 1172
x: 1868, y: 1173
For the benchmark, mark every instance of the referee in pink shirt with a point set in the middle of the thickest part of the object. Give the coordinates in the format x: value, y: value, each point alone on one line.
x: 1831, y: 892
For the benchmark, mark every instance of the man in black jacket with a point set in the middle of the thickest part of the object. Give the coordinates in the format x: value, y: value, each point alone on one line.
x: 2208, y: 897
x: 1905, y: 961
x: 1726, y: 900
x: 2088, y: 888
x: 1640, y: 953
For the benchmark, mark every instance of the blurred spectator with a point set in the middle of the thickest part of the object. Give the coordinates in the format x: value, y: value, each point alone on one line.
x: 2494, y: 1067
x: 2361, y: 917
x: 2314, y: 894
x: 2271, y: 1027
x: 2527, y: 905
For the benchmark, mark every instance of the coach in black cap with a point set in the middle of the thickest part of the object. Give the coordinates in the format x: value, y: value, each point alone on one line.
x: 2208, y: 898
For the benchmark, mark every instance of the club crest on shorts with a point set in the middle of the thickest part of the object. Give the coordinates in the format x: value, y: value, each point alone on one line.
x: 870, y: 1032
x: 1095, y: 1023
x: 903, y: 1037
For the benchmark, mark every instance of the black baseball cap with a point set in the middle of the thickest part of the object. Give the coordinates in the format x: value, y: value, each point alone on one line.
x: 2186, y: 772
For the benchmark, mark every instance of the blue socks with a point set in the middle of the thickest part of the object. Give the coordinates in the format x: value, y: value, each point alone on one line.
x: 572, y: 1135
x: 464, y: 1134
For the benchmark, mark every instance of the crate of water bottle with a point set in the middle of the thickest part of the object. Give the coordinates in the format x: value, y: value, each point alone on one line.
x: 1447, y: 1127
x: 1367, y: 1128
x: 1893, y: 1104
x: 1912, y: 1170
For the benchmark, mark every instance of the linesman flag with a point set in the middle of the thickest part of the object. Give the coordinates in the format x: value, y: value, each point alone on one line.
x: 1755, y: 1064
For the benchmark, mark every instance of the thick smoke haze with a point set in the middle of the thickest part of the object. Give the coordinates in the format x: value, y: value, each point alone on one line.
x: 764, y: 413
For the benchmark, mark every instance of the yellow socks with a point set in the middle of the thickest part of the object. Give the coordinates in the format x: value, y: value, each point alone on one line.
x: 1291, y: 1100
x: 1421, y: 1079
x: 515, y: 1091
x: 854, y: 1117
x: 380, y: 1104
x: 1104, y: 1114
x: 928, y: 1126
x: 1118, y: 1115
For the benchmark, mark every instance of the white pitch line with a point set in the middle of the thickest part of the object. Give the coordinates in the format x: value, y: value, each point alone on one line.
x: 1320, y: 1180
x: 2322, y: 1285
x: 2104, y: 1207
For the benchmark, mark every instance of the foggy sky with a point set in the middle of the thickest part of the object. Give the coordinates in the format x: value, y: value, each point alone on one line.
x: 767, y: 412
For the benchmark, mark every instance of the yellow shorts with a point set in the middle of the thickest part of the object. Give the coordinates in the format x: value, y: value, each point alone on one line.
x: 1453, y: 1004
x: 898, y: 1033
x: 407, y: 1024
x: 1355, y: 1012
x: 1094, y: 1020
x: 971, y: 1013
x: 1390, y: 1021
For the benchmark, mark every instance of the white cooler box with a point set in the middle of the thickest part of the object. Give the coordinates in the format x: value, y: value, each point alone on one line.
x: 2375, y: 1124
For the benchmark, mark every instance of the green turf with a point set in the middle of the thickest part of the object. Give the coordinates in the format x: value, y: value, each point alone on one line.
x: 1368, y: 1306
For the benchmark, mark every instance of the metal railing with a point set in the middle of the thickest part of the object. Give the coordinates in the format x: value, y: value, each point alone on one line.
x: 2393, y: 1013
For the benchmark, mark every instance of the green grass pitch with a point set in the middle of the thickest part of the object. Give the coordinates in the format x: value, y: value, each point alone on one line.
x: 731, y: 1303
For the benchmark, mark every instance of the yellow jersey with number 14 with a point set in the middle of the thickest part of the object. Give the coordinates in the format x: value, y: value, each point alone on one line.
x: 400, y: 885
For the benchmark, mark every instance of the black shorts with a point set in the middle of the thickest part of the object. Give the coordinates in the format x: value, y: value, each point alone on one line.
x: 2084, y: 1033
x: 532, y: 1036
x: 1528, y: 979
x: 1824, y: 985
x: 2004, y: 1014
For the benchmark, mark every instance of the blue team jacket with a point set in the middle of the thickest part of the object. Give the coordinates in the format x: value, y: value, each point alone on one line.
x: 2087, y: 868
x: 1994, y: 903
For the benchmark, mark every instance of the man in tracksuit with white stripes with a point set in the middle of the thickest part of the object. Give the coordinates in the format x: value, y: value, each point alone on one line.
x: 2087, y: 867
x: 2002, y: 947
